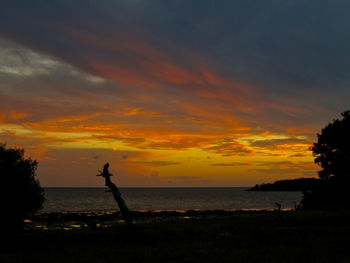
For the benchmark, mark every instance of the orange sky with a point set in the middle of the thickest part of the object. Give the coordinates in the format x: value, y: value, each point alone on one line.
x: 195, y: 139
x: 167, y: 98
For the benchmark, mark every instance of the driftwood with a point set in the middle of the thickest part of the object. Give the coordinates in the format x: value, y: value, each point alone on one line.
x: 278, y: 207
x: 117, y: 195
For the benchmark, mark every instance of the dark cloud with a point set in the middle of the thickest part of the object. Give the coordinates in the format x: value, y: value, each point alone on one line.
x: 228, y: 147
x: 274, y: 142
x: 289, y: 49
x: 288, y: 168
x: 288, y: 173
x: 156, y: 163
x: 172, y: 75
x: 96, y: 156
x: 231, y: 164
x: 187, y: 180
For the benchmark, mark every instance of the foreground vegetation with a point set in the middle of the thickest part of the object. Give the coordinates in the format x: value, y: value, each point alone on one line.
x: 21, y: 195
x: 312, y: 236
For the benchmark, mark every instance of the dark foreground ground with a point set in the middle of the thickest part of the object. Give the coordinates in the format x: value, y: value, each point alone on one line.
x: 317, y: 236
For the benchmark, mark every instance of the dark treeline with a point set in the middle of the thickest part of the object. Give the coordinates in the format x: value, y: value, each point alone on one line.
x: 300, y: 184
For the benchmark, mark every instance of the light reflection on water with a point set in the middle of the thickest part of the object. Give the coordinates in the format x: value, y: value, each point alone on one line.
x: 180, y: 199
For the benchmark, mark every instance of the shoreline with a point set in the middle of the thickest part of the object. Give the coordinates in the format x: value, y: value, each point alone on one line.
x: 106, y: 219
x: 195, y: 236
x: 106, y: 211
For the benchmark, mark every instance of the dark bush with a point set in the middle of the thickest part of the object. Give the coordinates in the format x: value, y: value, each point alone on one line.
x: 332, y: 153
x: 20, y: 191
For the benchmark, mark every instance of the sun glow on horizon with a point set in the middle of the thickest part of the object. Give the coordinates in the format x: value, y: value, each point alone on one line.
x: 168, y: 96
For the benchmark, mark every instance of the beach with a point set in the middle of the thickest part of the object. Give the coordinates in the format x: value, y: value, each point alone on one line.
x: 108, y: 219
x: 84, y: 225
x: 186, y: 236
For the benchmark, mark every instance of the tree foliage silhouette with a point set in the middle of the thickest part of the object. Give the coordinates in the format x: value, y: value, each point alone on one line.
x: 332, y: 153
x: 332, y: 150
x: 21, y: 194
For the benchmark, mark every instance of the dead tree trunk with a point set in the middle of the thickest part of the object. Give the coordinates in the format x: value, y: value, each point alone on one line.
x: 117, y: 195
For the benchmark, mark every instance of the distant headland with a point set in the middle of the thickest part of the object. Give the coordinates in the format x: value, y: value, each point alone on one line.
x: 300, y: 184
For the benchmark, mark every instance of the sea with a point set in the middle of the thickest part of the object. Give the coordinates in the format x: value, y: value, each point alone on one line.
x: 155, y: 199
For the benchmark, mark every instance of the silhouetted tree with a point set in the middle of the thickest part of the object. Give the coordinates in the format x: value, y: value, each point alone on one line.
x: 20, y: 191
x: 332, y: 153
x: 332, y: 150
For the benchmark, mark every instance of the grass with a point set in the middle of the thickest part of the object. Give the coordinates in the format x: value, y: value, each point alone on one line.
x: 318, y: 236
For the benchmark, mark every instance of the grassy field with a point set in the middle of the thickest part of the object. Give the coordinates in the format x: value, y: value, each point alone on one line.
x: 317, y: 236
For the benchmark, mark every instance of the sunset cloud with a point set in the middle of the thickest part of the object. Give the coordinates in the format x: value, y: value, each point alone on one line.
x: 225, y: 93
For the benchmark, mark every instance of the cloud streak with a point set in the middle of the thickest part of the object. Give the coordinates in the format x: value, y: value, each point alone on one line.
x: 238, y: 81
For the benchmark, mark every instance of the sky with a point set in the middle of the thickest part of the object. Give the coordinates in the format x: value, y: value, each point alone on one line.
x: 172, y: 93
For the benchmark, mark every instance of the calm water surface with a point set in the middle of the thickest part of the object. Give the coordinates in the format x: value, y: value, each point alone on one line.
x: 96, y: 199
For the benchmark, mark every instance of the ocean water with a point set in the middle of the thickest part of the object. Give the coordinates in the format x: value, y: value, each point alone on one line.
x: 96, y: 199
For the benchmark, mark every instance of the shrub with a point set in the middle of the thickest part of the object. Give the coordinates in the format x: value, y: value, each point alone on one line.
x: 20, y: 191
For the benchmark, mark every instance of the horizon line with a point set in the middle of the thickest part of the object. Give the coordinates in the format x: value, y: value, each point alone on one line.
x: 147, y: 186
